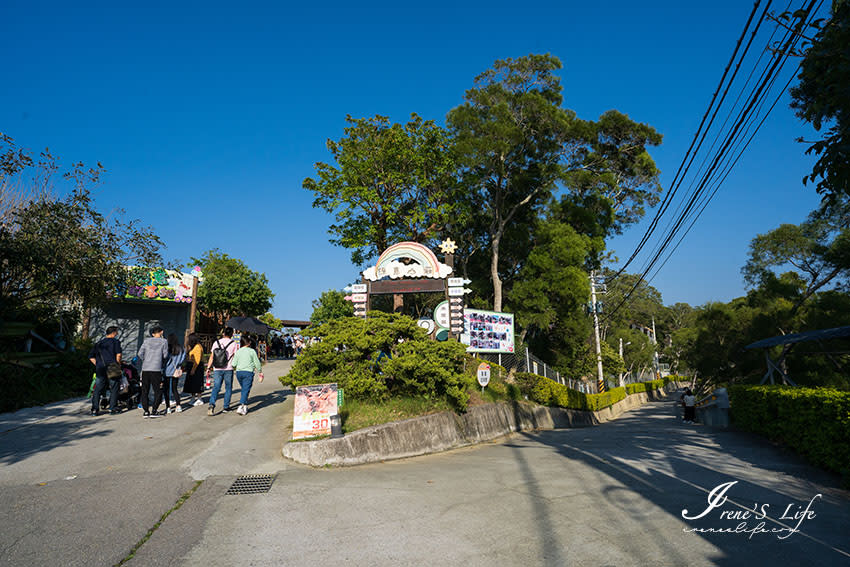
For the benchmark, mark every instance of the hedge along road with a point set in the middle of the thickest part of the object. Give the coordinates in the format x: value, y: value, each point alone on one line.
x: 612, y: 494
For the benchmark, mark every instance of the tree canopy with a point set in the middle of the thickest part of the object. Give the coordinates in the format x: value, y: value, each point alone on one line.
x: 821, y: 99
x: 390, y: 183
x: 59, y: 254
x: 331, y: 305
x: 231, y: 288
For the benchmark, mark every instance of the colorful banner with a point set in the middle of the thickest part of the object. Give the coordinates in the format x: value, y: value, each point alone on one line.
x: 488, y: 331
x: 159, y: 284
x: 314, y: 406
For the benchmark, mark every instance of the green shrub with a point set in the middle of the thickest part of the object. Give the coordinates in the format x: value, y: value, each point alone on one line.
x: 646, y: 386
x: 813, y: 421
x: 385, y: 355
x: 547, y: 392
x: 596, y: 402
x: 25, y: 387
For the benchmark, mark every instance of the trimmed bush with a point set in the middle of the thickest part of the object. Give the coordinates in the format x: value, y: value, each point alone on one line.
x: 548, y: 392
x: 812, y: 421
x: 382, y: 356
x: 596, y: 402
x: 638, y: 387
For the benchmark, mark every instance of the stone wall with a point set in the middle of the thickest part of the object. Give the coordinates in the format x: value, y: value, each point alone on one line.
x: 447, y: 430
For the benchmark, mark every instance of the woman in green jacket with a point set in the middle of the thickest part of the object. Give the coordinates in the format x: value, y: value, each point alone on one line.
x: 245, y: 362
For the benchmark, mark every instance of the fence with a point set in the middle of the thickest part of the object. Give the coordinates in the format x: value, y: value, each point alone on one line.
x: 527, y: 362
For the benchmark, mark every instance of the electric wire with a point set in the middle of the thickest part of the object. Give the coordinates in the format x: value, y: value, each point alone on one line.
x: 697, y: 141
x: 730, y: 152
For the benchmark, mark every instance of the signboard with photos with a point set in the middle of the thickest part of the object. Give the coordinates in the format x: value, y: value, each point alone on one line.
x: 488, y: 331
x: 314, y: 406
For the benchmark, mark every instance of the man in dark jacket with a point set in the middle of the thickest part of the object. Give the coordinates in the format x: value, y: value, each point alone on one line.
x: 107, y: 351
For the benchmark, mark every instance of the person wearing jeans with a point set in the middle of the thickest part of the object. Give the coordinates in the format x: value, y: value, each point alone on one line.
x: 224, y: 374
x: 107, y: 351
x: 246, y: 362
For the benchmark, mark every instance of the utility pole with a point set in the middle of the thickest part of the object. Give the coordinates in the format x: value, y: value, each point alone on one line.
x: 655, y: 353
x: 600, y: 378
x: 621, y: 358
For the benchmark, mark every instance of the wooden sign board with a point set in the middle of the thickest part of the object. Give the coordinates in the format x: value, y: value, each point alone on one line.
x: 384, y: 287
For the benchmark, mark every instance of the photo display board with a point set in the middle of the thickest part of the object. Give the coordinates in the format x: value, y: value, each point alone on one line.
x: 314, y: 406
x: 488, y: 331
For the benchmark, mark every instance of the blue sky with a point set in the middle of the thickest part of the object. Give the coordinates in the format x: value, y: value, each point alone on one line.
x: 209, y: 115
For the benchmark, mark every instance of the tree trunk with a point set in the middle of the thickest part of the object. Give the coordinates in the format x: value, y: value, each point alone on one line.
x: 494, y: 275
x: 398, y: 303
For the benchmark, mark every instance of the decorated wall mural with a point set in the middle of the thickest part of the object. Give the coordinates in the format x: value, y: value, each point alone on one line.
x: 158, y: 284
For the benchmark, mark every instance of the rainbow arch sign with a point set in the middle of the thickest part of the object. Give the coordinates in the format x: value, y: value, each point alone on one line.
x: 423, y: 263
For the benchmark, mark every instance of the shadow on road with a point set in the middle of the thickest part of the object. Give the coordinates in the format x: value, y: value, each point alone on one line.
x: 264, y: 400
x: 650, y: 463
x: 18, y: 444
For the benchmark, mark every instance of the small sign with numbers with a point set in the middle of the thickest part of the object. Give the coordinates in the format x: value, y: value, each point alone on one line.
x: 483, y: 374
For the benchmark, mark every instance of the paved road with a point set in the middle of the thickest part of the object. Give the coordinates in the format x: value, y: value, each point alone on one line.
x: 609, y: 495
x: 81, y: 490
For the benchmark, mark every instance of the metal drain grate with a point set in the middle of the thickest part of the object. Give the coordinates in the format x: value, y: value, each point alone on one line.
x: 252, y: 484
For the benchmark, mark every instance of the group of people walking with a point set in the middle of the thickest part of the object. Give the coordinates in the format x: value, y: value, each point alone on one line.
x: 287, y: 346
x: 164, y: 362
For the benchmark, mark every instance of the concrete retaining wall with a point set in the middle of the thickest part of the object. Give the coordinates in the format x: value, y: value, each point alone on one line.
x: 447, y: 430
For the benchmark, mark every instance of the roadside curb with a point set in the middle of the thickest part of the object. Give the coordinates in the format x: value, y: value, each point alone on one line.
x: 443, y: 431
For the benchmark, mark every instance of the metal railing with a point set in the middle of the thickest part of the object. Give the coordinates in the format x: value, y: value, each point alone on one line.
x: 527, y: 362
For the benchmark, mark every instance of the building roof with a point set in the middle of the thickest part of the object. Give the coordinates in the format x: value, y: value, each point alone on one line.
x: 819, y: 335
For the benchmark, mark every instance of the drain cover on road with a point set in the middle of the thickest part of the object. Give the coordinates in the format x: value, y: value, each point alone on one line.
x: 251, y: 484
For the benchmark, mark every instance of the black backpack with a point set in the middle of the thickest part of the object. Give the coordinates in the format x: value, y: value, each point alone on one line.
x: 219, y: 355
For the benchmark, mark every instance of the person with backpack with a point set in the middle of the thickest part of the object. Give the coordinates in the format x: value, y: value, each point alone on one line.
x: 106, y: 357
x: 153, y: 354
x: 221, y: 365
x: 194, y: 383
x: 173, y: 371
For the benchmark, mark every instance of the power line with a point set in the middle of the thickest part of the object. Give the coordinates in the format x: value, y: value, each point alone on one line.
x: 697, y: 141
x: 732, y: 148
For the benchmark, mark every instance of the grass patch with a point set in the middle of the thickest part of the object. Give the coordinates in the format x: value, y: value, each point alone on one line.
x: 357, y: 414
x: 177, y: 505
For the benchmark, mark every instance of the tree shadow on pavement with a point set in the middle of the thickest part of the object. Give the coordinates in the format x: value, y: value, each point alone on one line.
x: 19, y: 444
x: 265, y: 400
x: 647, y: 459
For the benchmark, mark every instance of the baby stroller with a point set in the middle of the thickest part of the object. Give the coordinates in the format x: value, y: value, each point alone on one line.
x: 128, y: 397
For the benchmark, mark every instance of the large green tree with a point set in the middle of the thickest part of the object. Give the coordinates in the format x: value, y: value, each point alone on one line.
x: 518, y: 146
x: 331, y: 305
x: 389, y: 183
x: 510, y: 134
x: 817, y: 251
x: 230, y: 287
x: 269, y: 319
x: 59, y: 254
x: 822, y: 98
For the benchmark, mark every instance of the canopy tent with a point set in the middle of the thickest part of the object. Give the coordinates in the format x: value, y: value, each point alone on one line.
x: 792, y: 339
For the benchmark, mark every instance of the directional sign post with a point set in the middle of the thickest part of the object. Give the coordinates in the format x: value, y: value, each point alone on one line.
x: 458, y: 282
x: 458, y: 291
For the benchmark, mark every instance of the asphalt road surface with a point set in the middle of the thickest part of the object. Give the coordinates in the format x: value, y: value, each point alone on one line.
x: 76, y: 490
